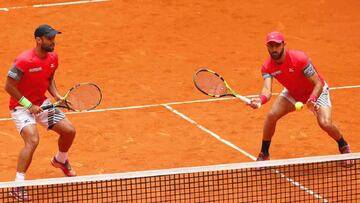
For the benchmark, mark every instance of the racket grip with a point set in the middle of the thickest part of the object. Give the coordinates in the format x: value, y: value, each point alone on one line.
x: 47, y: 107
x: 244, y: 99
x: 247, y: 100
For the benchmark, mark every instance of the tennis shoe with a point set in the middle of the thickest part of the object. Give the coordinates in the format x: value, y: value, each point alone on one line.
x: 346, y: 150
x: 65, y: 167
x: 20, y: 193
x: 262, y: 157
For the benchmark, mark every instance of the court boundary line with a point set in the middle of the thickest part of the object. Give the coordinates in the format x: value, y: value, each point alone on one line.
x: 52, y: 4
x: 178, y: 103
x: 171, y: 109
x: 228, y: 143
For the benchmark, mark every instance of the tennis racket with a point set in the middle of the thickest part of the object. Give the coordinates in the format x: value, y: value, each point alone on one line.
x: 81, y: 97
x: 214, y: 85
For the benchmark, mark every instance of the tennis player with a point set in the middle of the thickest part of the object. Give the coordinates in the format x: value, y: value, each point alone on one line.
x: 31, y: 75
x: 302, y: 82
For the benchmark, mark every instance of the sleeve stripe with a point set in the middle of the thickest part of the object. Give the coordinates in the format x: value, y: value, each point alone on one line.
x: 266, y: 75
x: 15, y: 73
x: 309, y: 70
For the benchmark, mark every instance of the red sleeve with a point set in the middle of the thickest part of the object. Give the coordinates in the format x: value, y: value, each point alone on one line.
x: 22, y: 64
x: 301, y: 60
x: 265, y: 68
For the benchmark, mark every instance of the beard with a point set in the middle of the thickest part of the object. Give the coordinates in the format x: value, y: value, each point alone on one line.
x: 275, y: 55
x: 48, y: 48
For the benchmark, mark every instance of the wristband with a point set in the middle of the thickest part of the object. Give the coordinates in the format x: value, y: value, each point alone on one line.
x: 313, y: 98
x: 263, y: 99
x: 25, y: 102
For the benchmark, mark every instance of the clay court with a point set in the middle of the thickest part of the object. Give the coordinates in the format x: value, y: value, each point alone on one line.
x: 144, y: 53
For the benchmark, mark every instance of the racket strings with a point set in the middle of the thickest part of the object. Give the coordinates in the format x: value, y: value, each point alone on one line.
x: 210, y: 84
x: 84, y: 97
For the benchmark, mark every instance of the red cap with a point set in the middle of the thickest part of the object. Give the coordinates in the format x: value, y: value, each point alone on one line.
x: 275, y: 37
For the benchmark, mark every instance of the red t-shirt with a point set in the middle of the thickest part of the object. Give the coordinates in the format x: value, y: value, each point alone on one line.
x: 291, y: 74
x: 36, y: 76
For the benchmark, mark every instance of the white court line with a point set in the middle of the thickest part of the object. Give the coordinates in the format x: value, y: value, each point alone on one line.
x: 295, y: 183
x: 344, y: 87
x: 177, y: 103
x: 208, y: 131
x: 52, y: 4
x: 145, y: 106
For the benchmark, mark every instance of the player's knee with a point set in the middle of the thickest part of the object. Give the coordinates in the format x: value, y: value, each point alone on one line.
x: 325, y: 124
x: 66, y: 132
x: 32, y: 142
x: 71, y: 132
x: 272, y: 116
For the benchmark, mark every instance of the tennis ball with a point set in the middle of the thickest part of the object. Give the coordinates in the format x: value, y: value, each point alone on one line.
x: 299, y: 105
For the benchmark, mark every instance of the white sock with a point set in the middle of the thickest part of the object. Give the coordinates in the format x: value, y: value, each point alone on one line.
x: 61, y: 156
x: 19, y: 177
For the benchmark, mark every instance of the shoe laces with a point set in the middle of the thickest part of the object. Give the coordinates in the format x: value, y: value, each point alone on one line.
x: 262, y: 157
x: 67, y: 165
x: 345, y: 149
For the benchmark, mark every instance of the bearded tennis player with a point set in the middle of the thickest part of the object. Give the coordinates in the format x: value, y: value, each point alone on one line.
x: 302, y: 83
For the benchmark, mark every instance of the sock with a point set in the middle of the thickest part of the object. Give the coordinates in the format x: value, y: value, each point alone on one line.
x: 265, y: 147
x: 341, y: 142
x: 19, y: 177
x: 61, y: 156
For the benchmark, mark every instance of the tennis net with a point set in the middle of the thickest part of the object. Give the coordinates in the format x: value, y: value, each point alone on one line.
x: 332, y: 178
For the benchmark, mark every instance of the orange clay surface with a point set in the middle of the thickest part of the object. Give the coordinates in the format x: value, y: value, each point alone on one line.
x: 145, y: 52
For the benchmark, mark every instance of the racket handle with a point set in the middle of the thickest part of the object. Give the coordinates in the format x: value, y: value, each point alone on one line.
x: 244, y: 99
x: 47, y: 107
x: 53, y: 105
x: 247, y: 100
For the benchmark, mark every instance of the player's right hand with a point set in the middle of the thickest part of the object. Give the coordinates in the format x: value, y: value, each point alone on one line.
x: 255, y: 103
x: 35, y: 109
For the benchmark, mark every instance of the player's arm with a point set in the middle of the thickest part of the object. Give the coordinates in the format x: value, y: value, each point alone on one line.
x: 267, y: 88
x: 310, y: 74
x: 13, y: 78
x: 265, y: 93
x: 10, y: 88
x: 52, y: 88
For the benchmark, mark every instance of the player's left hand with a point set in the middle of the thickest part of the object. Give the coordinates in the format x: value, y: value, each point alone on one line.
x: 59, y: 98
x: 312, y: 106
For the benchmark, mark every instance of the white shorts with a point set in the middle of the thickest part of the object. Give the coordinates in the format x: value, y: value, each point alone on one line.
x: 48, y: 118
x: 323, y: 100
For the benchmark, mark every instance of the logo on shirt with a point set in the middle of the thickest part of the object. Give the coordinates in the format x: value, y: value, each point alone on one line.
x: 35, y: 69
x: 52, y: 65
x: 12, y: 74
x: 291, y: 70
x: 276, y: 73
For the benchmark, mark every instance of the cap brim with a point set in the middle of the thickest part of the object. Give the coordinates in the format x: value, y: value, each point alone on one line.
x: 275, y: 40
x: 52, y: 33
